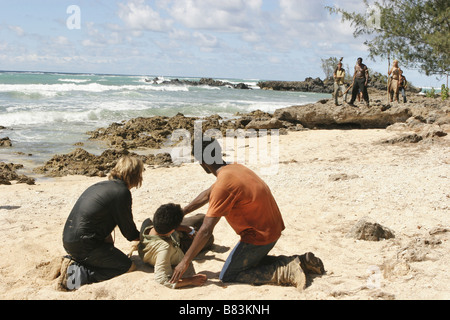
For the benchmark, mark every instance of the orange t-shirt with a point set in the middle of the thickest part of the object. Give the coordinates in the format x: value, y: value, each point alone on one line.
x: 247, y: 203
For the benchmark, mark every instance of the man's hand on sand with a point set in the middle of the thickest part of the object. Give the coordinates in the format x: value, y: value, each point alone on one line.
x: 178, y: 272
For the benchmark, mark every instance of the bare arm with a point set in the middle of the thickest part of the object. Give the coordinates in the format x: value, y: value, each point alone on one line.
x: 198, y: 244
x: 201, y: 200
x: 183, y: 228
x: 367, y: 76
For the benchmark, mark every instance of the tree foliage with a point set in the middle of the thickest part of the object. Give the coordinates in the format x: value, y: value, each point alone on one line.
x: 329, y: 65
x: 416, y: 32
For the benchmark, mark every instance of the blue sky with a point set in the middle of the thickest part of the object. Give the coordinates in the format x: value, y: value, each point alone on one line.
x: 250, y: 39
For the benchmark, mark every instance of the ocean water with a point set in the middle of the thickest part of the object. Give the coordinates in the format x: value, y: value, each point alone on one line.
x: 47, y: 113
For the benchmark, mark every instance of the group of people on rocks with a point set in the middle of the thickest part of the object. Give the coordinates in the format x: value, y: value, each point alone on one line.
x: 396, y: 83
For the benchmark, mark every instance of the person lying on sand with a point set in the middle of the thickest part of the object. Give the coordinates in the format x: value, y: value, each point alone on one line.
x: 247, y: 203
x: 87, y: 233
x: 164, y: 241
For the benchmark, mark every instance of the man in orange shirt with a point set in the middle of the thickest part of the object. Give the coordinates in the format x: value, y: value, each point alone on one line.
x: 247, y: 203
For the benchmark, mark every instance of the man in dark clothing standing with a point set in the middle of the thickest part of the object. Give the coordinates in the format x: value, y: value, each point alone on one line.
x: 87, y: 233
x: 360, y: 81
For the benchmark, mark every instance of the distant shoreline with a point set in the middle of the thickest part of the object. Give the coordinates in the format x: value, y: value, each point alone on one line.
x: 437, y: 89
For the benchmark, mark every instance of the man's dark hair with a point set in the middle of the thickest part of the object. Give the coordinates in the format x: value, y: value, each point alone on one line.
x: 167, y: 218
x: 213, y: 148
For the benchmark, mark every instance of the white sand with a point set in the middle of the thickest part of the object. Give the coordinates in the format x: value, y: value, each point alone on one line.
x: 405, y: 188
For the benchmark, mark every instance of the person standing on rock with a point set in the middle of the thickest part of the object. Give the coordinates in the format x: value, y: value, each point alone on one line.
x: 360, y: 82
x: 394, y: 84
x: 87, y: 232
x: 249, y: 207
x: 339, y: 86
x: 403, y: 85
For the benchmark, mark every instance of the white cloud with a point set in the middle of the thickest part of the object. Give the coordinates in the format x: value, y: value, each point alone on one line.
x: 178, y: 34
x: 139, y: 16
x: 90, y: 43
x: 205, y: 42
x: 61, y: 41
x: 251, y: 37
x: 223, y: 16
x: 17, y: 30
x: 302, y: 10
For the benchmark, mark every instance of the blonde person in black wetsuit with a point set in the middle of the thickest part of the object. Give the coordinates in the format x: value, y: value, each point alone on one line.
x: 87, y: 233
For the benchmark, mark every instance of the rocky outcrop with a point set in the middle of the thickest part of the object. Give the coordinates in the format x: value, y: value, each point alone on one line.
x: 328, y: 116
x: 150, y: 132
x: 202, y: 82
x: 5, y: 142
x: 154, y: 132
x: 377, y: 82
x: 81, y: 162
x: 8, y: 173
x: 370, y: 231
x: 423, y: 119
x: 414, y: 132
x: 309, y: 85
x: 418, y: 111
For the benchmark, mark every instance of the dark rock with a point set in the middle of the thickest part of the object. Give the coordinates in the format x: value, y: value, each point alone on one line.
x: 418, y: 112
x: 81, y: 162
x: 327, y: 115
x: 8, y: 173
x: 433, y: 131
x: 5, y: 142
x: 265, y: 124
x: 242, y: 86
x: 376, y: 82
x: 202, y: 82
x: 342, y: 177
x: 370, y: 231
x: 309, y: 85
x: 154, y: 132
x: 408, y: 138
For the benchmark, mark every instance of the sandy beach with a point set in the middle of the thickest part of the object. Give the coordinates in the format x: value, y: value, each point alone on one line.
x: 327, y: 181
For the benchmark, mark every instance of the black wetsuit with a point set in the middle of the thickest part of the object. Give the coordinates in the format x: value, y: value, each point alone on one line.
x: 97, y: 212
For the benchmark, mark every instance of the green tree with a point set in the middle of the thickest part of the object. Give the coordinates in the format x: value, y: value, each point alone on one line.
x: 444, y: 92
x: 416, y: 32
x: 328, y: 66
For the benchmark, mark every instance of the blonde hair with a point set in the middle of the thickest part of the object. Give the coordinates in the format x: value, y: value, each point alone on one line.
x: 129, y: 170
